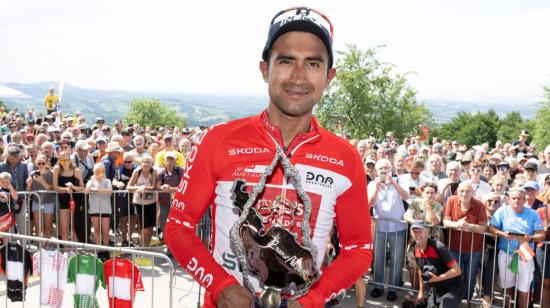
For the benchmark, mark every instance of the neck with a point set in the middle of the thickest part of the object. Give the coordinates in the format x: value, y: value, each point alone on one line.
x: 170, y: 168
x: 423, y: 244
x: 290, y: 126
x: 465, y: 204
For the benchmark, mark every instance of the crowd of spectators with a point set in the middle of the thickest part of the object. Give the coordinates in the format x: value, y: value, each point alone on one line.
x: 119, y: 180
x: 483, y: 203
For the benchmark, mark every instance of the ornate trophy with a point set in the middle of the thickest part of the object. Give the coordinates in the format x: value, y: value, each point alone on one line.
x: 286, y: 266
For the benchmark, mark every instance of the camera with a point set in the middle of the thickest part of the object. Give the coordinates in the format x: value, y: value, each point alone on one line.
x: 426, y: 270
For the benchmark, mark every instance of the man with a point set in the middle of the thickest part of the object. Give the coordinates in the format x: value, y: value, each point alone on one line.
x: 168, y: 179
x: 386, y: 197
x: 126, y: 141
x: 82, y: 160
x: 168, y: 147
x: 19, y: 174
x: 515, y: 225
x: 51, y: 101
x: 531, y: 192
x: 521, y: 145
x: 481, y: 188
x: 545, y: 167
x: 531, y: 169
x: 443, y: 271
x: 448, y: 186
x: 297, y: 66
x: 467, y: 216
x: 99, y: 153
x: 126, y: 211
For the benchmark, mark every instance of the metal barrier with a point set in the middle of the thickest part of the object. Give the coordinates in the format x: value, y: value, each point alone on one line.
x: 484, y: 273
x: 74, y: 247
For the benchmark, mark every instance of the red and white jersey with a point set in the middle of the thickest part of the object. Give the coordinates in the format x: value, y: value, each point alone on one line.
x: 331, y: 173
x: 123, y: 280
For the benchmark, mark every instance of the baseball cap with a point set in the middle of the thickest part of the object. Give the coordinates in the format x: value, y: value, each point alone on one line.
x: 370, y: 161
x: 531, y: 185
x: 504, y: 164
x: 302, y: 19
x: 167, y: 136
x: 13, y: 150
x: 170, y: 154
x: 82, y: 145
x: 418, y: 224
x: 100, y: 139
x: 531, y: 165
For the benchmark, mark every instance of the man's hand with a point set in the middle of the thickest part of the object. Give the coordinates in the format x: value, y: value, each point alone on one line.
x: 235, y: 296
x: 294, y: 304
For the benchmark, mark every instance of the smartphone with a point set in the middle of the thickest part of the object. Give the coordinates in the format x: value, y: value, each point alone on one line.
x: 383, y: 177
x: 516, y: 234
x: 411, y: 188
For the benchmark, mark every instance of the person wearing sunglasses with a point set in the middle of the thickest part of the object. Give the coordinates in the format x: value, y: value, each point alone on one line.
x: 43, y: 209
x: 126, y: 211
x: 481, y: 188
x: 297, y: 65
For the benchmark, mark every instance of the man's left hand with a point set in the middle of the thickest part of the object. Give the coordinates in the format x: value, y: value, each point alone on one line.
x: 434, y: 277
x: 294, y: 304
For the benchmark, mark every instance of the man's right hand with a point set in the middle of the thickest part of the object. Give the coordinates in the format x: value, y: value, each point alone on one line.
x: 235, y: 296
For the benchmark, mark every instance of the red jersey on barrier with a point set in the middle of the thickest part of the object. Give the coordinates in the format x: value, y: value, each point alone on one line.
x: 332, y: 175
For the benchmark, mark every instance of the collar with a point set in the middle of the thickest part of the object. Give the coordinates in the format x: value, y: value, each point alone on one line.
x: 276, y: 134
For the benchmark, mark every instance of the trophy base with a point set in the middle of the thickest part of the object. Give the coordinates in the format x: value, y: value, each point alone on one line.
x: 270, y: 298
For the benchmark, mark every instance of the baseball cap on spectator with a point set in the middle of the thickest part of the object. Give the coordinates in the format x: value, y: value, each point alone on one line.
x: 301, y: 19
x: 467, y: 158
x: 531, y: 165
x: 167, y: 136
x: 13, y: 150
x: 52, y: 129
x: 370, y: 161
x: 125, y: 133
x: 504, y: 164
x: 451, y: 156
x: 99, y: 119
x: 186, y: 131
x: 170, y: 154
x: 531, y: 185
x: 100, y: 139
x: 523, y: 133
x: 83, y: 126
x: 496, y: 156
x: 82, y: 145
x: 418, y: 224
x: 113, y: 147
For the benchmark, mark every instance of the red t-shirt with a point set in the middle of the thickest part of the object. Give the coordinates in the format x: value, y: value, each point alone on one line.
x: 461, y: 241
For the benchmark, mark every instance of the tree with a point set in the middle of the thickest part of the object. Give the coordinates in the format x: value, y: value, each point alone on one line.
x: 510, y: 126
x: 151, y: 111
x: 366, y: 97
x: 541, y: 123
x: 2, y: 104
x: 472, y: 129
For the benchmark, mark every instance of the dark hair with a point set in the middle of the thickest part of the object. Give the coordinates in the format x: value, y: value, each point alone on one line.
x: 429, y: 184
x: 490, y: 165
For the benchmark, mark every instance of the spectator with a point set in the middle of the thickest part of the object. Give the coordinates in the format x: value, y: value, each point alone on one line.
x: 434, y: 173
x: 531, y: 169
x: 544, y: 196
x: 43, y: 208
x: 543, y: 257
x: 47, y: 148
x: 531, y: 191
x: 168, y: 147
x: 492, y: 202
x: 481, y: 188
x: 126, y: 210
x: 51, y: 101
x: 434, y: 260
x: 101, y: 147
x: 83, y: 160
x: 466, y: 215
x: 489, y: 170
x: 8, y: 198
x: 399, y: 165
x: 545, y: 167
x: 19, y: 173
x: 507, y: 223
x: 447, y: 187
x: 99, y: 189
x: 386, y: 197
x: 139, y: 151
x: 168, y: 179
x: 68, y: 182
x: 126, y: 141
x: 411, y: 181
x: 143, y: 182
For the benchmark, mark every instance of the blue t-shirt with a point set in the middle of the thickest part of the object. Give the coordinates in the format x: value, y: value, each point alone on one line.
x: 528, y: 222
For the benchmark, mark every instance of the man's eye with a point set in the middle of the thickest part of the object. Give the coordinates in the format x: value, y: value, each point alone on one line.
x: 314, y: 64
x: 284, y: 62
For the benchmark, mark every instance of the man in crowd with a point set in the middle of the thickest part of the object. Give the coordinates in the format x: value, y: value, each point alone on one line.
x: 168, y: 147
x: 516, y: 225
x: 448, y: 186
x: 438, y: 269
x: 51, y: 101
x: 297, y: 66
x: 467, y: 216
x: 168, y: 179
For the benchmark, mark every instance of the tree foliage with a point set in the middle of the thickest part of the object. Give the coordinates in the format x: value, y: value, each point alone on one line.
x: 541, y: 123
x: 471, y: 129
x: 153, y: 112
x: 366, y: 97
x: 2, y: 104
x: 510, y: 126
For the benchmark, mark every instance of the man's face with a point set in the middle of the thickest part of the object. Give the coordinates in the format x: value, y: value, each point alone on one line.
x: 13, y: 159
x: 415, y: 173
x: 454, y: 173
x: 297, y: 73
x: 517, y: 201
x: 465, y: 193
x: 419, y: 234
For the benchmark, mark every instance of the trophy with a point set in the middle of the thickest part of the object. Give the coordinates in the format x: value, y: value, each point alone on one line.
x: 283, y: 263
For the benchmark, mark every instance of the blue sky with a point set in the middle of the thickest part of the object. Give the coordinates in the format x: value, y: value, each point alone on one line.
x: 486, y: 51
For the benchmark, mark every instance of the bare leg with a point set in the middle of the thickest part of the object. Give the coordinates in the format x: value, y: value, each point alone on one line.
x: 145, y: 238
x: 522, y: 299
x: 97, y: 230
x: 545, y: 302
x: 124, y: 228
x: 64, y: 224
x: 47, y: 221
x: 105, y: 230
x: 360, y: 292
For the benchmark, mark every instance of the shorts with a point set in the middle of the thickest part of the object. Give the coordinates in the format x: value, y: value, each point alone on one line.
x: 147, y: 215
x: 45, y: 208
x: 124, y: 207
x: 106, y: 215
x: 521, y: 280
x: 543, y: 257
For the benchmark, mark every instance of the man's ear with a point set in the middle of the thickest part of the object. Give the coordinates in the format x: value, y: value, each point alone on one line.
x: 264, y: 69
x: 330, y: 75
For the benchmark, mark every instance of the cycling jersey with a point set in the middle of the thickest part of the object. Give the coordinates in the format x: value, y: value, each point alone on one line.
x: 331, y: 173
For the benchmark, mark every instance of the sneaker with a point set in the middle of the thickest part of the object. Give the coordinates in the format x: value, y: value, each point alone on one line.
x: 392, y: 296
x: 376, y: 293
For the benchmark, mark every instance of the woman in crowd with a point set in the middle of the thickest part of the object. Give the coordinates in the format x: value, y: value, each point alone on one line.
x: 434, y: 172
x: 489, y: 170
x: 492, y: 202
x: 99, y: 206
x: 68, y: 182
x: 143, y: 182
x: 499, y: 184
x: 42, y: 179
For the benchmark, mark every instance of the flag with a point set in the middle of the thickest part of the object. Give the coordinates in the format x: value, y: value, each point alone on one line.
x: 525, y: 252
x: 514, y: 266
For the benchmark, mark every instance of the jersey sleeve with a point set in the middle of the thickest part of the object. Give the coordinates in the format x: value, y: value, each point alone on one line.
x: 353, y: 222
x: 444, y: 254
x: 71, y: 273
x: 138, y: 283
x: 36, y: 263
x: 192, y: 198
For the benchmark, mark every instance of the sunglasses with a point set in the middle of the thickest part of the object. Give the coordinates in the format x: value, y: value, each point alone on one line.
x: 128, y: 162
x: 415, y: 173
x: 493, y: 201
x: 64, y: 160
x: 40, y: 164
